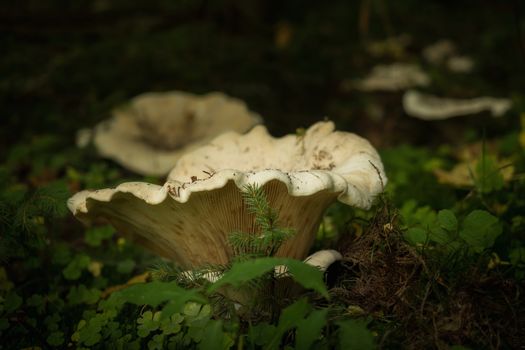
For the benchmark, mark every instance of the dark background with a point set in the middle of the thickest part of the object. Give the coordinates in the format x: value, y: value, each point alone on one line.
x: 65, y: 64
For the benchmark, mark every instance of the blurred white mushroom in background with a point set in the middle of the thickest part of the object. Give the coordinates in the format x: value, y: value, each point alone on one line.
x: 149, y: 134
x: 393, y: 77
x: 429, y: 107
x: 444, y: 52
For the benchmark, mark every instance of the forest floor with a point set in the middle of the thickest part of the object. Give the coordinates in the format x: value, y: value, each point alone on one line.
x: 439, y: 260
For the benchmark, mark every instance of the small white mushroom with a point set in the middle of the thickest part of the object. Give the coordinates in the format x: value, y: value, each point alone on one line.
x: 394, y: 77
x: 149, y: 134
x: 429, y: 107
x: 189, y: 219
x: 323, y: 258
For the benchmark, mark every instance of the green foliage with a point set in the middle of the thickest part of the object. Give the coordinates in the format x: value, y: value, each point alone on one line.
x: 480, y: 230
x: 269, y: 239
x: 83, y: 295
x: 154, y: 294
x: 517, y: 259
x: 215, y: 338
x: 65, y: 287
x: 290, y: 317
x: 354, y: 334
x: 447, y: 220
x: 242, y: 272
x: 26, y: 214
x: 74, y: 269
x: 310, y: 329
x: 95, y: 235
x: 409, y: 171
x: 488, y: 177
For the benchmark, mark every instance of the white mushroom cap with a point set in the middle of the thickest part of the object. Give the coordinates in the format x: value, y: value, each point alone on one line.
x: 428, y: 107
x: 394, y: 77
x: 322, y: 259
x: 189, y: 218
x: 155, y: 129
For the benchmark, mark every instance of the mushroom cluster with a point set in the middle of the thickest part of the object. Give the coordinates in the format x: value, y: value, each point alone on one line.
x: 149, y: 134
x: 190, y: 217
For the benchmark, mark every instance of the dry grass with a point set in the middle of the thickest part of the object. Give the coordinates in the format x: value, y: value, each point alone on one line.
x: 416, y: 303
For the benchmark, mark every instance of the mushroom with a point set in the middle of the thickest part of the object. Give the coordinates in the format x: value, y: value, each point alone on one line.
x: 444, y: 51
x: 189, y: 219
x: 394, y: 77
x: 155, y: 129
x: 322, y: 259
x: 428, y: 107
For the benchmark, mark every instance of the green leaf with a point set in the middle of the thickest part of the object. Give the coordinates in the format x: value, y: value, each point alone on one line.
x: 417, y: 216
x: 94, y: 236
x: 488, y: 175
x: 261, y: 333
x: 308, y: 276
x: 447, y: 220
x: 290, y: 318
x: 241, y: 272
x: 80, y: 294
x: 245, y: 271
x: 147, y: 323
x: 517, y: 256
x: 88, y: 332
x: 354, y: 334
x: 55, y: 338
x: 126, y: 266
x: 416, y: 236
x: 52, y: 321
x: 172, y: 324
x: 155, y: 293
x: 439, y: 235
x: 61, y: 254
x: 36, y: 301
x: 294, y: 313
x: 157, y: 342
x: 309, y: 330
x: 12, y: 302
x: 214, y: 337
x: 74, y: 269
x: 192, y: 309
x: 480, y: 230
